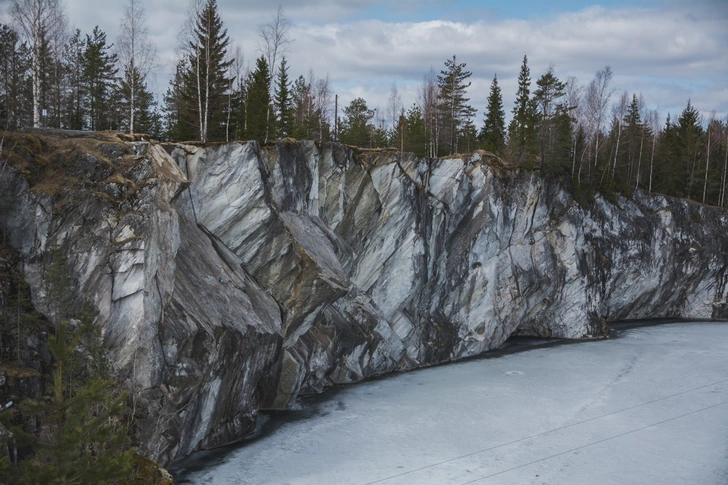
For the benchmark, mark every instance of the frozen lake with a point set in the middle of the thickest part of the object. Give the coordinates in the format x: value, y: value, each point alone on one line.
x: 649, y: 405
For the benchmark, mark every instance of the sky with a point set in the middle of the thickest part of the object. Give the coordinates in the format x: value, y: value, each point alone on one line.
x: 668, y: 51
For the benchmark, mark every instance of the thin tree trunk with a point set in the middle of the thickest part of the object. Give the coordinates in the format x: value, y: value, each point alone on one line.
x: 227, y: 124
x: 652, y: 159
x: 707, y: 166
x: 199, y: 96
x: 36, y: 85
x: 724, y: 189
x: 639, y: 160
x: 616, y: 150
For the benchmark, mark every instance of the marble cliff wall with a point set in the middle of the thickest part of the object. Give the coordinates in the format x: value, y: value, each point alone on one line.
x: 233, y: 278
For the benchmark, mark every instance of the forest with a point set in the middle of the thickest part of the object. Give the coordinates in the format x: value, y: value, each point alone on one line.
x: 600, y: 139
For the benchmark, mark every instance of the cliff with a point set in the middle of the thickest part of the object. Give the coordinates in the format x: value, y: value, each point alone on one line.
x: 232, y: 278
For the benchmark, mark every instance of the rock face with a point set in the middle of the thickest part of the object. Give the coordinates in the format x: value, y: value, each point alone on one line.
x: 233, y: 278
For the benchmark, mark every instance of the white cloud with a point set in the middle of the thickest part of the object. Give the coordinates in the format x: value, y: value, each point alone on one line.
x: 666, y: 54
x: 669, y: 53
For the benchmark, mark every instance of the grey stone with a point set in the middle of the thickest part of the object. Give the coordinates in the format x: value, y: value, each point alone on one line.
x: 235, y: 278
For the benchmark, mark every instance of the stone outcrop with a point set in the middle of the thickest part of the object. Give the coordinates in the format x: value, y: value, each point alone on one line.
x: 232, y: 278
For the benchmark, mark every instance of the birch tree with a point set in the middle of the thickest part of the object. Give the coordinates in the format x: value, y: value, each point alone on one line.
x: 598, y: 95
x: 274, y: 41
x: 427, y: 96
x: 137, y: 53
x: 205, y: 79
x: 39, y: 20
x: 394, y: 107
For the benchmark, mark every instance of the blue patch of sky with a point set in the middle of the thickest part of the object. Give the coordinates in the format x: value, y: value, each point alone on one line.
x: 473, y: 10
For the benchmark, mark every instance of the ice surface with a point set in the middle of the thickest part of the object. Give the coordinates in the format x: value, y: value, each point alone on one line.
x: 649, y: 406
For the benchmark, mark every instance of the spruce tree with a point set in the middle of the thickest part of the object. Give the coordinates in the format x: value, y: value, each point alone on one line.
x: 453, y: 101
x: 179, y: 118
x: 690, y: 134
x: 258, y: 102
x: 522, y: 129
x: 493, y: 134
x: 205, y: 74
x: 283, y: 102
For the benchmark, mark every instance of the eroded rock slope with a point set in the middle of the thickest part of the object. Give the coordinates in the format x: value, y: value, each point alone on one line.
x: 233, y: 278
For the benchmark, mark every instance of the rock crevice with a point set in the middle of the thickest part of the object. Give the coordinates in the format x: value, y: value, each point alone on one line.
x: 238, y: 277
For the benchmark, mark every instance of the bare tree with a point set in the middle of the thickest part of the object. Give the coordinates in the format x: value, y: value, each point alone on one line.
x: 574, y: 95
x: 235, y: 74
x: 427, y: 96
x: 39, y: 20
x: 274, y: 41
x: 394, y: 105
x: 597, y: 99
x: 322, y: 102
x: 618, y: 111
x: 710, y: 133
x: 654, y: 122
x: 137, y: 53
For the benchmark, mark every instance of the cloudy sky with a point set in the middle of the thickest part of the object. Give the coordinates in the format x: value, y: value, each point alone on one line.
x: 667, y: 50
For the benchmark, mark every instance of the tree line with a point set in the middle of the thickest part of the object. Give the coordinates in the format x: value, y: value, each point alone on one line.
x: 603, y: 140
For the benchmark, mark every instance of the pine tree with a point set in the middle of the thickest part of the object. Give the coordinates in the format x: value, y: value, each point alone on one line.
x: 205, y: 75
x: 76, y: 89
x: 355, y: 127
x: 522, y: 129
x: 14, y: 71
x: 283, y: 102
x: 304, y: 115
x: 99, y: 73
x: 258, y: 102
x: 453, y: 101
x: 80, y: 438
x: 415, y: 132
x: 493, y: 135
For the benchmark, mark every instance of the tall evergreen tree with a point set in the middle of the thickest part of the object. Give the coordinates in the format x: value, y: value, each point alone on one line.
x: 415, y: 133
x: 283, y: 102
x: 493, y: 134
x: 258, y: 102
x: 546, y: 97
x: 136, y: 103
x: 99, y: 73
x: 303, y: 108
x: 522, y: 128
x: 689, y: 133
x: 14, y: 70
x: 179, y: 120
x: 76, y: 88
x: 453, y: 101
x: 40, y: 21
x: 205, y: 77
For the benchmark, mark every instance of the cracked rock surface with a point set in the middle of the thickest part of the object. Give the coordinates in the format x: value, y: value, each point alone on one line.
x: 232, y: 278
